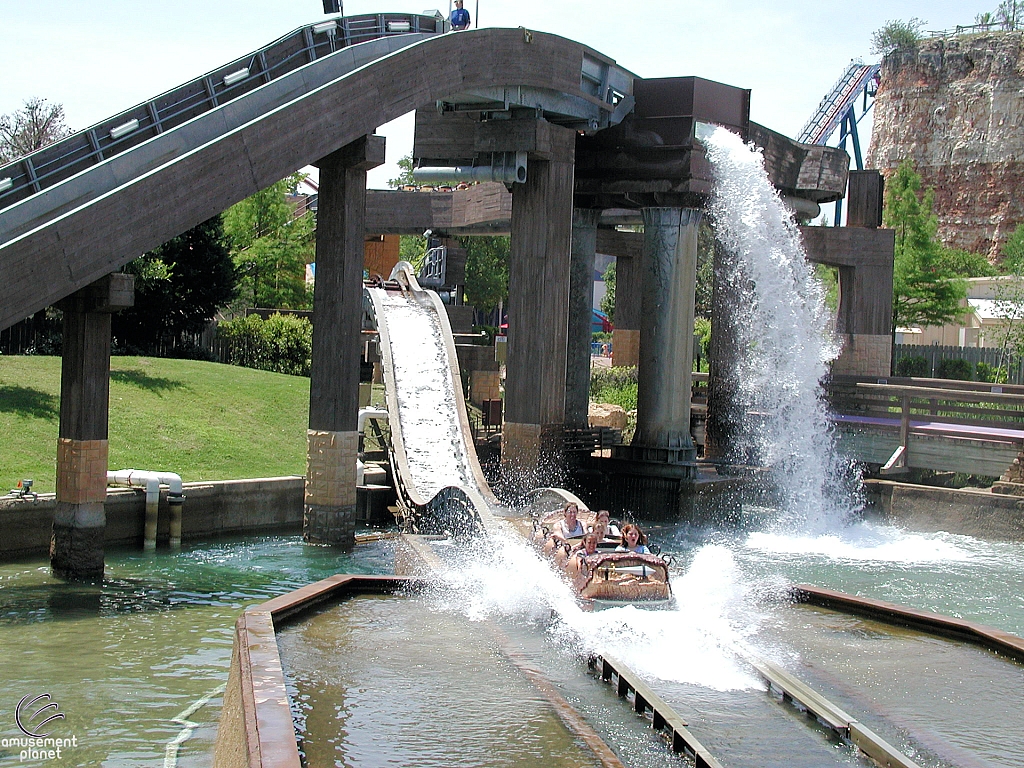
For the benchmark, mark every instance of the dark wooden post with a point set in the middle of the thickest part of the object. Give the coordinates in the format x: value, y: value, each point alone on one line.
x: 722, y: 356
x: 332, y: 438
x: 628, y: 250
x: 581, y: 306
x: 79, y: 522
x: 538, y: 314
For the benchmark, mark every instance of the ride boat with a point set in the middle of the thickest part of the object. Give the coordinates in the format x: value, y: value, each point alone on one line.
x: 604, y: 577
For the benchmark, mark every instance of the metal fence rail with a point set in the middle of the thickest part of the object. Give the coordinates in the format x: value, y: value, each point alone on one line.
x: 56, y: 162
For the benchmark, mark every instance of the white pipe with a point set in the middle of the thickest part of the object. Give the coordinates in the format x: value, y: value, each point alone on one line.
x: 151, y: 481
x: 370, y: 413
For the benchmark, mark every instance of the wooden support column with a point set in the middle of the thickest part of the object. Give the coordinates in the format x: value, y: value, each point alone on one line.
x: 865, y: 290
x: 79, y: 522
x: 666, y: 338
x: 538, y: 314
x: 628, y: 250
x: 581, y: 312
x: 332, y: 438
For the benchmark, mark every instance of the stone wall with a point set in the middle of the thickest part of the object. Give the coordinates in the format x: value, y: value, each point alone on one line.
x: 955, y: 106
x: 212, y: 508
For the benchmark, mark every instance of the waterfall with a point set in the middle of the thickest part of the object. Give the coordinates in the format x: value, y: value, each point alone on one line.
x: 784, y: 343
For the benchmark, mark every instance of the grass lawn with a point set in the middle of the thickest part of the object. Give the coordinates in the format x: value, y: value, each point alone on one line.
x: 204, y: 421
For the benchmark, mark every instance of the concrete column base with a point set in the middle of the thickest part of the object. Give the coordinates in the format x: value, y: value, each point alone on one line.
x: 531, y: 456
x: 864, y: 355
x: 330, y: 499
x: 76, y: 543
x: 79, y: 520
x: 332, y: 526
x: 625, y: 347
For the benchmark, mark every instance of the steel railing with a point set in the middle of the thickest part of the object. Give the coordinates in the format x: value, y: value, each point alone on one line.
x: 56, y: 162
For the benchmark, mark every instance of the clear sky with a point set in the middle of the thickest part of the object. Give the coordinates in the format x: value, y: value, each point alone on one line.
x: 98, y: 57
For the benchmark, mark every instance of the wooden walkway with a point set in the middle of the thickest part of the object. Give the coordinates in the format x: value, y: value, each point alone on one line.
x: 969, y: 427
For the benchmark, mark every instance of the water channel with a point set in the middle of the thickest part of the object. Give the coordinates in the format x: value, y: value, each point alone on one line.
x: 137, y: 663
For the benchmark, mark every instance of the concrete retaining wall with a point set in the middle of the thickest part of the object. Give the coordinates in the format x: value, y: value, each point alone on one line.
x: 968, y: 511
x: 211, y: 508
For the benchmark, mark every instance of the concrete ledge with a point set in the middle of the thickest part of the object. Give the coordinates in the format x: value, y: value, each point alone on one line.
x: 968, y: 511
x: 995, y: 640
x: 211, y: 508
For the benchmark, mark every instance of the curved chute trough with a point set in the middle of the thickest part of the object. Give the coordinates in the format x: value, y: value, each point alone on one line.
x: 435, y: 463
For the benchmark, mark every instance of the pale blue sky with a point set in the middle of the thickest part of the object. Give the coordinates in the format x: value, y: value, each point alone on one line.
x: 98, y: 57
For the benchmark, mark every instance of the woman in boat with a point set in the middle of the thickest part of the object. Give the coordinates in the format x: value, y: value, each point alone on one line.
x: 603, y: 527
x: 577, y: 567
x: 569, y: 527
x: 633, y: 540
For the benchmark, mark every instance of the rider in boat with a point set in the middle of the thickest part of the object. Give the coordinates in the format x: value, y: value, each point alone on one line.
x: 633, y: 540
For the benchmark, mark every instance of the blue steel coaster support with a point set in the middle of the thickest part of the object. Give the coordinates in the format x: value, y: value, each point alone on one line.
x: 839, y: 110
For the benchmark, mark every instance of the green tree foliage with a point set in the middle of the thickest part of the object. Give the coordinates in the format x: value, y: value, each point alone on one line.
x: 405, y: 166
x: 487, y: 271
x: 967, y: 264
x: 281, y: 343
x: 271, y: 247
x: 412, y: 248
x: 1009, y: 13
x: 1009, y: 296
x: 897, y: 35
x: 179, y: 287
x: 705, y: 268
x: 30, y: 128
x: 608, y: 300
x: 925, y: 291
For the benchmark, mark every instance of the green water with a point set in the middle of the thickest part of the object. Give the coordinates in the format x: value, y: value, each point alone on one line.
x: 126, y: 657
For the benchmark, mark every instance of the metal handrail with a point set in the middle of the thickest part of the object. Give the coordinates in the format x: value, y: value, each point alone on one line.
x: 55, y: 162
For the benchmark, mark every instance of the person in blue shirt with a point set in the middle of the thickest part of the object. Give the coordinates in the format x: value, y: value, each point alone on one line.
x: 460, y: 17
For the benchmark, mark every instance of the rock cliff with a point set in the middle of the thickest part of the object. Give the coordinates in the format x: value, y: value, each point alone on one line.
x: 956, y: 107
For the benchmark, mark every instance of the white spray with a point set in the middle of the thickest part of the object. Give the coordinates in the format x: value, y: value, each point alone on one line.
x: 784, y: 339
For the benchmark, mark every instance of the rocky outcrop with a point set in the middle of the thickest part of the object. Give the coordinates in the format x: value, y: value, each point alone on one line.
x: 955, y: 106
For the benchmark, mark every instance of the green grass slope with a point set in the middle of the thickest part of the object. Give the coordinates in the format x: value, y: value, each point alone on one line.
x: 204, y: 421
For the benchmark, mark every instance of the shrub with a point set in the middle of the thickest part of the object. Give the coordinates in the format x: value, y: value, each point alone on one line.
x: 610, y: 378
x: 617, y: 386
x: 955, y: 368
x: 990, y: 373
x: 913, y: 366
x: 282, y: 343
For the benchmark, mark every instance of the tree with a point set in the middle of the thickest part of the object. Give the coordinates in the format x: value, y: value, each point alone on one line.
x: 1009, y: 302
x: 1008, y: 14
x: 925, y: 291
x: 897, y: 35
x: 271, y: 247
x: 30, y: 128
x: 967, y: 264
x: 179, y: 287
x: 487, y: 271
x: 608, y: 300
x: 405, y: 166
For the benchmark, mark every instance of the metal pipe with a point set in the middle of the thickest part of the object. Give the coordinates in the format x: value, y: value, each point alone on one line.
x: 151, y: 482
x: 510, y: 169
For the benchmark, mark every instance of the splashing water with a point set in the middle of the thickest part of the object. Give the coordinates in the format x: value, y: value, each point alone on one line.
x: 697, y: 641
x: 782, y: 327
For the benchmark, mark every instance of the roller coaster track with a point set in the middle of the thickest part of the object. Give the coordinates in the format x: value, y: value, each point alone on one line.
x: 838, y: 102
x: 95, y: 211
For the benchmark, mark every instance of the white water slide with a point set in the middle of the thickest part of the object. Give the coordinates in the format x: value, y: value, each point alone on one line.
x: 436, y: 467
